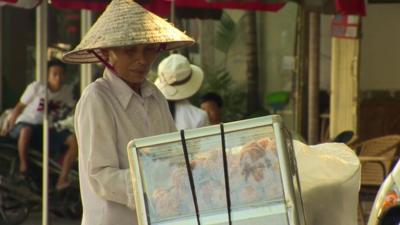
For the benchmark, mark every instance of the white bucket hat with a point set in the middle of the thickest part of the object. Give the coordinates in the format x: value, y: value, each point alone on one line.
x: 177, y: 78
x: 125, y: 23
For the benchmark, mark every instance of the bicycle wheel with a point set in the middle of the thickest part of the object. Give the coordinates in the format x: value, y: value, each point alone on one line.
x: 12, y: 210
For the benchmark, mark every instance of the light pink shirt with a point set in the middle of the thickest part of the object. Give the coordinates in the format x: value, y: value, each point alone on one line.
x: 109, y: 114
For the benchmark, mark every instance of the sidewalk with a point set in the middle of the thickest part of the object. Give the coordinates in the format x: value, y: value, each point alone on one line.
x: 35, y: 218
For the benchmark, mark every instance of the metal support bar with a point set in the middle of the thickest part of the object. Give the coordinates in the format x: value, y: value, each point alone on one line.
x: 172, y: 12
x: 86, y: 69
x: 300, y: 80
x: 313, y: 78
x: 1, y: 59
x: 252, y: 71
x: 41, y: 75
x: 41, y: 41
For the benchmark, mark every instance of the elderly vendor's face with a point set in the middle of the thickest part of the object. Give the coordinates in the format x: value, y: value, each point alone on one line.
x: 132, y: 64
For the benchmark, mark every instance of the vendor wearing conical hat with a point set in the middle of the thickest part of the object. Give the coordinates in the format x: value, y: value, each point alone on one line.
x: 120, y: 106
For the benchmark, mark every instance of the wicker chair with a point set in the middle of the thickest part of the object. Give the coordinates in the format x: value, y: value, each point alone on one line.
x: 377, y: 157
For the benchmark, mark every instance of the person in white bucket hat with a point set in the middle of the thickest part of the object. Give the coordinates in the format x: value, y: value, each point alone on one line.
x: 120, y: 106
x: 179, y: 80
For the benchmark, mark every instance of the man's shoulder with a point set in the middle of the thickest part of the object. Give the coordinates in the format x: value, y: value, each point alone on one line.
x: 201, y: 112
x: 98, y: 86
x: 192, y: 109
x: 34, y: 88
x: 36, y: 85
x: 99, y: 90
x: 192, y: 115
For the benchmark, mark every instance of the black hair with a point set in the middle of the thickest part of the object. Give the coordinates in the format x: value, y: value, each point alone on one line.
x: 56, y: 62
x: 391, y: 216
x: 212, y: 96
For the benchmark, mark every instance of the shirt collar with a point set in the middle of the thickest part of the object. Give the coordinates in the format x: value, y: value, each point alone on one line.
x: 123, y: 92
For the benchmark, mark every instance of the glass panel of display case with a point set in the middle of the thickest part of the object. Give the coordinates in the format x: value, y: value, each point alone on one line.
x: 249, y: 188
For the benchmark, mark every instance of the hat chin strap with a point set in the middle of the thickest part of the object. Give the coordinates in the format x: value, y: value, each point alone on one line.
x: 162, y: 47
x: 102, y: 60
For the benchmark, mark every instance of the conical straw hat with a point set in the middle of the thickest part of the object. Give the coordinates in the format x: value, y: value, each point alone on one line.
x: 126, y: 23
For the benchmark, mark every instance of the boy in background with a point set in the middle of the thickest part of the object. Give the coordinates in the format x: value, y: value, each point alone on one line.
x: 212, y: 103
x: 25, y: 123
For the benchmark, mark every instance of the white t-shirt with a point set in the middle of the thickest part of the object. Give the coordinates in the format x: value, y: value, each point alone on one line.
x: 60, y: 103
x: 188, y: 116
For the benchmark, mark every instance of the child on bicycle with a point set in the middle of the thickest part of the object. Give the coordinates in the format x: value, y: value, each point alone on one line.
x: 26, y: 119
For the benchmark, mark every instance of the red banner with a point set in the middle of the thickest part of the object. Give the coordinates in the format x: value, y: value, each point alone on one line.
x: 230, y: 5
x: 162, y: 7
x: 351, y: 7
x: 9, y: 1
x: 159, y: 7
x: 96, y: 5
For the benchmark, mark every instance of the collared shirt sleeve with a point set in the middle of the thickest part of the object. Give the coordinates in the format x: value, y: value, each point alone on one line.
x: 97, y: 137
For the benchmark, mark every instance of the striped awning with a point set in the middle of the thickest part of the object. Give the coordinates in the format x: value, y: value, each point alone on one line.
x: 345, y: 7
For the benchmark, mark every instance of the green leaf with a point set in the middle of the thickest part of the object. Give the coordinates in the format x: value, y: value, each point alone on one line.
x: 226, y: 32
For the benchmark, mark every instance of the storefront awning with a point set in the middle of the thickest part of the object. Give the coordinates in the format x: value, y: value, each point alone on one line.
x: 26, y: 4
x: 244, y: 5
x: 346, y: 7
x: 184, y: 8
x: 161, y: 7
x: 96, y: 5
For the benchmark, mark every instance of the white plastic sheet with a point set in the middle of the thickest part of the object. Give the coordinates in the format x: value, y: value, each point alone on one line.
x: 330, y: 180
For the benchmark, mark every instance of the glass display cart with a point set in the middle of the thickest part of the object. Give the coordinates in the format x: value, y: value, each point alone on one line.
x: 239, y: 173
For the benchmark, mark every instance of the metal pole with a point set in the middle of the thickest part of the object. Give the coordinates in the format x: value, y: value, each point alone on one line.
x: 41, y: 75
x: 41, y: 41
x: 1, y: 59
x: 86, y: 69
x: 313, y: 78
x: 172, y: 12
x: 252, y: 62
x: 300, y: 80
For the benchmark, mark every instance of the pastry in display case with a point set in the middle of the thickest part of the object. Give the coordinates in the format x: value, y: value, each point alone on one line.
x: 242, y: 172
